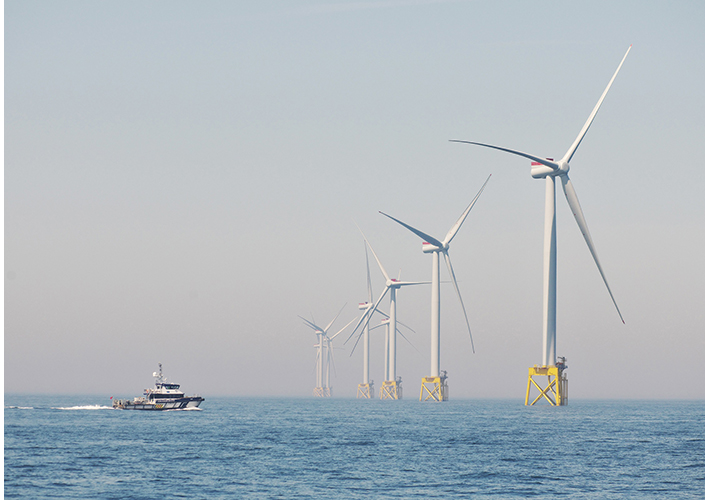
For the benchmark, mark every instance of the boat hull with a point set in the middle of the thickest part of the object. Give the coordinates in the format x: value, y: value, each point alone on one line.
x: 171, y: 404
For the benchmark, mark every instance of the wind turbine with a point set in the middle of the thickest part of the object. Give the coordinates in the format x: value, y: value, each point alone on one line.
x: 391, y: 387
x: 548, y: 169
x: 365, y: 389
x: 324, y: 356
x: 435, y: 384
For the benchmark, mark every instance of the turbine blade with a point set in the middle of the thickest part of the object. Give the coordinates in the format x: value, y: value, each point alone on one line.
x: 336, y: 317
x: 382, y: 295
x: 382, y: 268
x: 331, y: 359
x: 405, y: 338
x: 543, y: 161
x: 357, y: 341
x: 458, y: 292
x: 369, y: 281
x: 367, y: 314
x: 421, y: 234
x: 576, y: 208
x: 407, y: 283
x: 383, y: 314
x: 343, y: 328
x: 455, y: 228
x: 573, y: 148
x: 312, y: 325
x: 357, y: 326
x: 407, y: 327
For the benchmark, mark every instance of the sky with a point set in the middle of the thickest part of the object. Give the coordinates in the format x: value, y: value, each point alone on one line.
x: 183, y: 180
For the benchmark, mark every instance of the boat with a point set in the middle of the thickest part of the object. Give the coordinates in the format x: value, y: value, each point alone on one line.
x: 165, y: 396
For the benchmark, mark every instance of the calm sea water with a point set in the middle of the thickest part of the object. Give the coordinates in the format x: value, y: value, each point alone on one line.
x: 73, y: 447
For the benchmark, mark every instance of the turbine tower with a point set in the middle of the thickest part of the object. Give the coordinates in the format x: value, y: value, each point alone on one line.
x: 549, y: 170
x: 324, y: 355
x: 392, y: 386
x: 435, y: 384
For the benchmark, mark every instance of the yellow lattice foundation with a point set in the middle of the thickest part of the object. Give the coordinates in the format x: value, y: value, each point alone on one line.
x: 434, y: 388
x: 365, y: 391
x: 391, y: 389
x: 555, y: 391
x: 321, y: 392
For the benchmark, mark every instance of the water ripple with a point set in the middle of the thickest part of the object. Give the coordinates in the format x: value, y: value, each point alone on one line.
x: 342, y: 449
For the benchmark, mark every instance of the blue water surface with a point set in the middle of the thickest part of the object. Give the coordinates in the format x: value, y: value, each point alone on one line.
x: 78, y: 447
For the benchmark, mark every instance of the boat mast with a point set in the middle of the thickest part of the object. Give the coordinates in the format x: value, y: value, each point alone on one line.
x: 159, y: 379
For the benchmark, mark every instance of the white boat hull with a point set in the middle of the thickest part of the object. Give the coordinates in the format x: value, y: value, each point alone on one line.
x: 174, y: 404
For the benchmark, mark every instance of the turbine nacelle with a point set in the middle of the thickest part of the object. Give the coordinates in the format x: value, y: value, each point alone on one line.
x: 429, y: 248
x: 552, y: 169
x: 364, y: 306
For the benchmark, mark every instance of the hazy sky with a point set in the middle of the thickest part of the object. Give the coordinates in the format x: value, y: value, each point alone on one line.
x: 182, y: 181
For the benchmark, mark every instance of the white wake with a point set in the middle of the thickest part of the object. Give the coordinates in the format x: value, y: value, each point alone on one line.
x: 85, y: 407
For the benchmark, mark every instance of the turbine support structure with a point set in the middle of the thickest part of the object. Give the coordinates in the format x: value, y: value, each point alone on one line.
x: 391, y: 389
x: 555, y: 391
x: 322, y: 392
x: 436, y: 388
x: 366, y: 391
x: 549, y: 273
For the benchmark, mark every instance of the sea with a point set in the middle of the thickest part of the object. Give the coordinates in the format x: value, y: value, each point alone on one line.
x: 279, y: 448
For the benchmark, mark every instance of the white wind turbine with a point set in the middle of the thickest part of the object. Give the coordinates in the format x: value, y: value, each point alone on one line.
x: 324, y: 355
x: 365, y: 389
x: 548, y: 169
x: 436, y: 247
x: 391, y: 286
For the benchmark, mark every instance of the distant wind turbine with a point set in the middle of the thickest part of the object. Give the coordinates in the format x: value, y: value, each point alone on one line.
x: 548, y: 169
x: 324, y: 356
x: 365, y: 389
x: 436, y: 247
x: 391, y: 387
